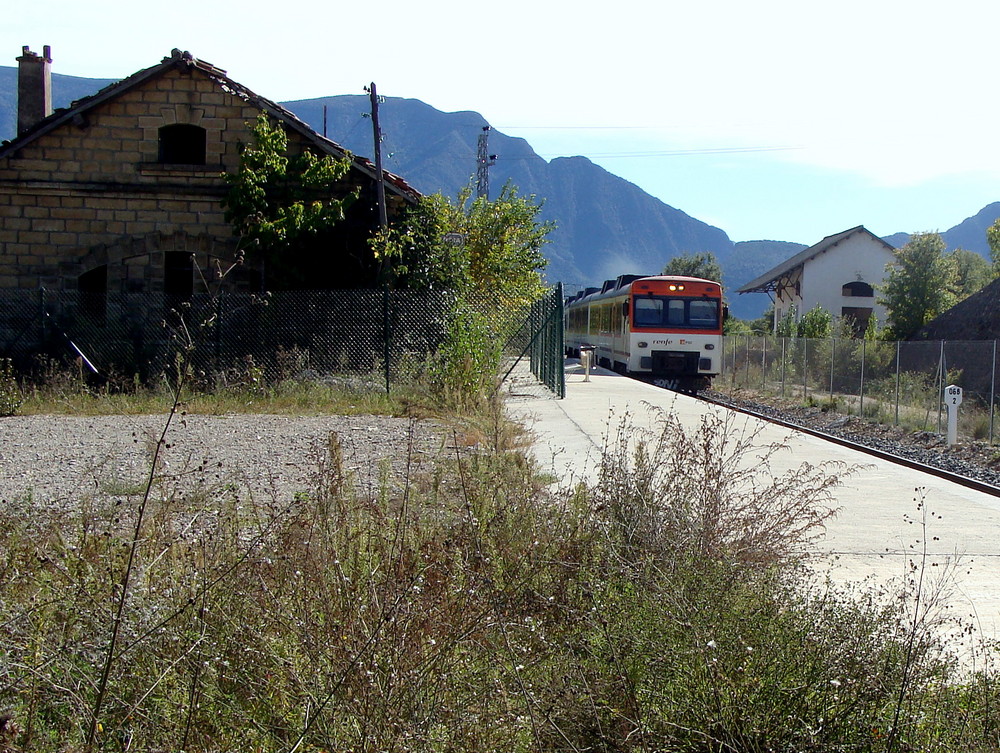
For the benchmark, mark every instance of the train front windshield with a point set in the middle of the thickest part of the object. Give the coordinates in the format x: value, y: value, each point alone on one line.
x: 684, y: 313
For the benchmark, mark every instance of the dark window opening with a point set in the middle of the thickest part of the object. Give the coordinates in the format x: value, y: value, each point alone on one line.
x: 858, y: 290
x: 182, y: 144
x: 856, y: 318
x: 178, y: 274
x: 93, y: 287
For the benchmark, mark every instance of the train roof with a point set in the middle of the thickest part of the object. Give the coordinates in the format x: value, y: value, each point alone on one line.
x: 612, y: 287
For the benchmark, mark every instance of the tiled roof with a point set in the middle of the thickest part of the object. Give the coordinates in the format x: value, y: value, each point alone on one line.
x: 768, y: 281
x: 185, y: 59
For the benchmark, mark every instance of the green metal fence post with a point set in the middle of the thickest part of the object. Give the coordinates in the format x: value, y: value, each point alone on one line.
x: 861, y: 389
x: 560, y: 339
x: 385, y: 333
x: 833, y: 360
x: 218, y: 330
x: 41, y: 316
x: 993, y: 385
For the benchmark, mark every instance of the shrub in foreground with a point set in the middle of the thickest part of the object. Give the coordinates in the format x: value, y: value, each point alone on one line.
x: 665, y: 607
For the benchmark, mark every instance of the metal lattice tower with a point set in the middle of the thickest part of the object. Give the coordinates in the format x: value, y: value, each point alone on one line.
x: 483, y: 164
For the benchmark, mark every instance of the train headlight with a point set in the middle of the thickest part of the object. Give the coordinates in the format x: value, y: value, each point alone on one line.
x: 710, y: 346
x: 642, y: 344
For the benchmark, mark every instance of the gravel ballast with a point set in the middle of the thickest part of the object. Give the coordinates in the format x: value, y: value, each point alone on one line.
x: 974, y: 459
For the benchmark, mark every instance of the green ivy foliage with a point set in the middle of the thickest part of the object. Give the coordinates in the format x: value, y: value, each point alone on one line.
x: 275, y: 201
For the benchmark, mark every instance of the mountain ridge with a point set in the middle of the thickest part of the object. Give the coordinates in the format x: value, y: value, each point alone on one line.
x: 605, y: 225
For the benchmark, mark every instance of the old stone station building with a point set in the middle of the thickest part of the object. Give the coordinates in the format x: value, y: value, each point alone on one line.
x: 120, y: 192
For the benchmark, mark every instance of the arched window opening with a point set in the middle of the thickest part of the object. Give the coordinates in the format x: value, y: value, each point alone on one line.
x: 182, y: 144
x: 858, y: 290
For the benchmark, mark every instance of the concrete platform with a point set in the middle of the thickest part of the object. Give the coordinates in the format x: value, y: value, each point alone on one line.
x: 878, y: 531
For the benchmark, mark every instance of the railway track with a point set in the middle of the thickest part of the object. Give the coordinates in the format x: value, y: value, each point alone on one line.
x: 979, y: 484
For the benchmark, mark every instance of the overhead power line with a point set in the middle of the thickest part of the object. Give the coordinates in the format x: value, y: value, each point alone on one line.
x: 684, y: 152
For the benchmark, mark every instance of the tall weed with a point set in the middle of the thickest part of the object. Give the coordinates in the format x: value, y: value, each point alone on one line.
x: 466, y: 607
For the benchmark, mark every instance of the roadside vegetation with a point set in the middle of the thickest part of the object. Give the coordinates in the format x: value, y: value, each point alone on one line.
x: 667, y: 606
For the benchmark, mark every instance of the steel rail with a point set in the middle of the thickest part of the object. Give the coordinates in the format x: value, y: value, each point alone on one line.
x: 955, y: 478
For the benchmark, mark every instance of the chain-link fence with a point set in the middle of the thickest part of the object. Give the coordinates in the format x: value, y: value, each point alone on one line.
x: 898, y: 383
x: 383, y: 335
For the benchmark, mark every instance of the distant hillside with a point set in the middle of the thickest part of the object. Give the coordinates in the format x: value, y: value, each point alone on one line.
x: 969, y: 234
x: 606, y: 226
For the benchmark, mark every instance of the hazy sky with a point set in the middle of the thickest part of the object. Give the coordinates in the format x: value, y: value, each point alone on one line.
x: 778, y: 119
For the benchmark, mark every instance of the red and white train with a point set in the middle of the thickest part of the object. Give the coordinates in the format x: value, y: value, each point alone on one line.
x: 662, y: 329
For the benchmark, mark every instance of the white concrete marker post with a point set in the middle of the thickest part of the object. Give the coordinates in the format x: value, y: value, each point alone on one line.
x: 587, y: 359
x: 952, y: 399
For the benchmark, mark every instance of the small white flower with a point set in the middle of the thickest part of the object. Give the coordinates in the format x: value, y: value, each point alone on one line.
x: 835, y: 683
x: 710, y: 644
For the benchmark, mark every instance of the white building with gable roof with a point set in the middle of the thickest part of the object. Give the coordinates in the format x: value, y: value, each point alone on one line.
x: 839, y: 274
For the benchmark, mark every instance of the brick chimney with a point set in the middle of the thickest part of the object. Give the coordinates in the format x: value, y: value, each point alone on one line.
x: 34, y: 87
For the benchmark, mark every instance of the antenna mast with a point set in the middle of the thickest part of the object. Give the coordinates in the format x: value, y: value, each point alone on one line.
x: 483, y: 164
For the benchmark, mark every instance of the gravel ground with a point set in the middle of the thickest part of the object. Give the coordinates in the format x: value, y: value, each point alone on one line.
x: 977, y: 460
x: 56, y: 460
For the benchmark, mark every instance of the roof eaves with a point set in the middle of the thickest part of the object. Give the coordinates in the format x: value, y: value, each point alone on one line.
x: 327, y: 146
x: 177, y: 58
x: 81, y: 106
x: 768, y: 281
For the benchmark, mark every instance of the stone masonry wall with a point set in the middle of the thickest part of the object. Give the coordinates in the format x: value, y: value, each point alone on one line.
x: 92, y: 192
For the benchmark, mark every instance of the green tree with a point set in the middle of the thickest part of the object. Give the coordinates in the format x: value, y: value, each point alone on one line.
x: 787, y: 326
x: 423, y: 251
x: 972, y: 273
x: 919, y: 285
x: 993, y: 239
x: 279, y: 204
x: 764, y: 324
x: 488, y: 250
x: 703, y: 265
x: 815, y: 323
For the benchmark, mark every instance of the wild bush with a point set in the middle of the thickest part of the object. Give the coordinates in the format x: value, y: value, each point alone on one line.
x: 470, y: 608
x: 464, y: 369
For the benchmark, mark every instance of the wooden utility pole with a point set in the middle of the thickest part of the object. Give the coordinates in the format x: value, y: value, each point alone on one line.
x: 380, y: 177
